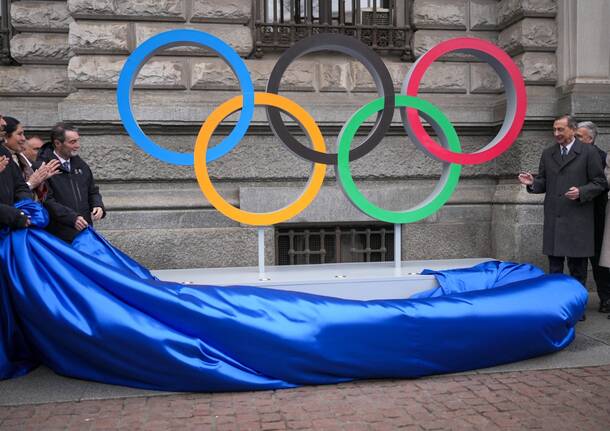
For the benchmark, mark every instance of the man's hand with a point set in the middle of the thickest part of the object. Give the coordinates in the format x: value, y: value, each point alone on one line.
x: 80, y: 223
x: 43, y: 173
x: 573, y: 193
x: 526, y: 178
x: 97, y: 213
x: 3, y: 163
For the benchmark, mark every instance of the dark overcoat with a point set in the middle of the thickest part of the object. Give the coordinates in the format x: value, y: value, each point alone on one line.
x: 569, y: 224
x: 12, y: 189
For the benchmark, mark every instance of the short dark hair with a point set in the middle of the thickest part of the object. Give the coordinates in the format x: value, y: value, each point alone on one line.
x: 572, y: 123
x: 28, y: 137
x: 11, y: 125
x: 58, y: 132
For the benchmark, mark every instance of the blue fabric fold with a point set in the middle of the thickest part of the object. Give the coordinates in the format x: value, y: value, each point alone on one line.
x: 88, y: 311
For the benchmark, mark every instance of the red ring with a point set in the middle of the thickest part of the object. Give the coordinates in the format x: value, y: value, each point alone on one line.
x: 462, y: 43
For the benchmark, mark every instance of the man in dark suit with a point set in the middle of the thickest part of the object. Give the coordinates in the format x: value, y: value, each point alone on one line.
x: 12, y: 189
x: 571, y: 175
x: 73, y: 199
x: 587, y: 133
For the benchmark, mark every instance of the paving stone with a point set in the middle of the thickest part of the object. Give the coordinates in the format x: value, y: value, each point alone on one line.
x: 580, y: 400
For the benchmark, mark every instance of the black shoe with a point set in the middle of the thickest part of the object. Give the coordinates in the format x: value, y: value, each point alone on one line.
x: 584, y: 317
x: 604, y: 306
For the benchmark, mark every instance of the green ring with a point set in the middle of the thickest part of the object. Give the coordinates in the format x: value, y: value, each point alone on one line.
x: 444, y: 188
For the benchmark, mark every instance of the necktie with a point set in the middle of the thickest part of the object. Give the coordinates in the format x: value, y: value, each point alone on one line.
x: 564, y: 152
x: 66, y: 165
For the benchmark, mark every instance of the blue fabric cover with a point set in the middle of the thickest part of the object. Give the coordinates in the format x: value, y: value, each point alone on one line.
x: 88, y: 311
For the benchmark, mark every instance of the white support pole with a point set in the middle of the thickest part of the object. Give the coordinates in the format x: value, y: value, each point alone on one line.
x: 261, y: 254
x: 397, y: 248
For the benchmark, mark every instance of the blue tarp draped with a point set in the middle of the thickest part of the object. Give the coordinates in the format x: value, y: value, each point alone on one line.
x: 87, y: 310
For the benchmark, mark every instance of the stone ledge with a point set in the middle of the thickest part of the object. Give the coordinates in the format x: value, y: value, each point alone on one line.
x: 46, y: 16
x: 40, y: 48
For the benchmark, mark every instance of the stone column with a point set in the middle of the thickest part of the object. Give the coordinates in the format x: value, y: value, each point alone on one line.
x: 583, y: 57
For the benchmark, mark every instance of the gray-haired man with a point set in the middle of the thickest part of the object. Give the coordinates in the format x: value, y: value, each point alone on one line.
x: 587, y: 133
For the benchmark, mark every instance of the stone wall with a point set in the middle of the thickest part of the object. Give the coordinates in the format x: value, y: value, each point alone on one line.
x: 71, y: 54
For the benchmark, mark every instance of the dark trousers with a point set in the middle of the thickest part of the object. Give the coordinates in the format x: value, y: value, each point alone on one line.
x: 577, y: 266
x: 601, y: 275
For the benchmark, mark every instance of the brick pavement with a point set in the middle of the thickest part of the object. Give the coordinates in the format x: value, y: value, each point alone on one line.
x: 559, y: 399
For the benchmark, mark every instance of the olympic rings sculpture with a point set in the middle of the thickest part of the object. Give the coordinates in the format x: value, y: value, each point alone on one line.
x: 448, y: 150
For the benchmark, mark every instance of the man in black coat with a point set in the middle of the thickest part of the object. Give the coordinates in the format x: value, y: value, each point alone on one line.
x: 571, y: 175
x: 73, y: 199
x: 12, y: 189
x: 587, y: 133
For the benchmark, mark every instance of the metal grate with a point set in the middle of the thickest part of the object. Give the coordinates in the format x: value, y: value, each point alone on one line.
x: 5, y: 32
x: 378, y: 23
x: 300, y: 245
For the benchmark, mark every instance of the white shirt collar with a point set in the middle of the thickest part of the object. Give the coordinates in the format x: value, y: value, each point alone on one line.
x: 569, y: 146
x: 62, y: 160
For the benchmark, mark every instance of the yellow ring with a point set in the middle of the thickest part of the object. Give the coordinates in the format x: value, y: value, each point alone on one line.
x: 203, y: 177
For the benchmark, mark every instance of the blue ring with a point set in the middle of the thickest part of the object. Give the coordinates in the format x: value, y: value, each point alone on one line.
x: 143, y: 53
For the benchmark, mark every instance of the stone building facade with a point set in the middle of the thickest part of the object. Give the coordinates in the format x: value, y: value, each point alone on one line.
x: 68, y: 55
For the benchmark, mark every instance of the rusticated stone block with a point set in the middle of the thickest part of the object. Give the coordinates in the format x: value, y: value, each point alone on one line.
x: 166, y: 10
x: 483, y: 79
x: 239, y: 37
x: 529, y: 34
x: 441, y: 77
x: 445, y: 77
x: 176, y: 248
x: 483, y: 14
x: 423, y: 40
x: 230, y: 10
x: 99, y: 37
x: 151, y: 8
x: 49, y: 48
x: 439, y: 13
x: 538, y: 67
x: 511, y: 10
x: 103, y: 72
x: 50, y: 16
x: 80, y: 8
x: 212, y: 74
x: 363, y: 81
x: 300, y: 75
x: 335, y: 76
x: 34, y: 80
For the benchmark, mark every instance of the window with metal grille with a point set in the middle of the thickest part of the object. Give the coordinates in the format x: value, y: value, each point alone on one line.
x: 298, y: 245
x: 5, y: 32
x: 381, y: 24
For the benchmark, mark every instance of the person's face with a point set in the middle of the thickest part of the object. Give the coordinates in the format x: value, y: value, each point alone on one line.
x: 563, y: 134
x: 583, y: 135
x: 32, y: 147
x: 70, y: 146
x: 16, y: 141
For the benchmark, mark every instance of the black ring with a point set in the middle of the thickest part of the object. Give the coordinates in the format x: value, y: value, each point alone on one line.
x: 345, y: 45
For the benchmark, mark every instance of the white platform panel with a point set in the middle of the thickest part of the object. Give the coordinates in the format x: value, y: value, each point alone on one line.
x: 360, y: 281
